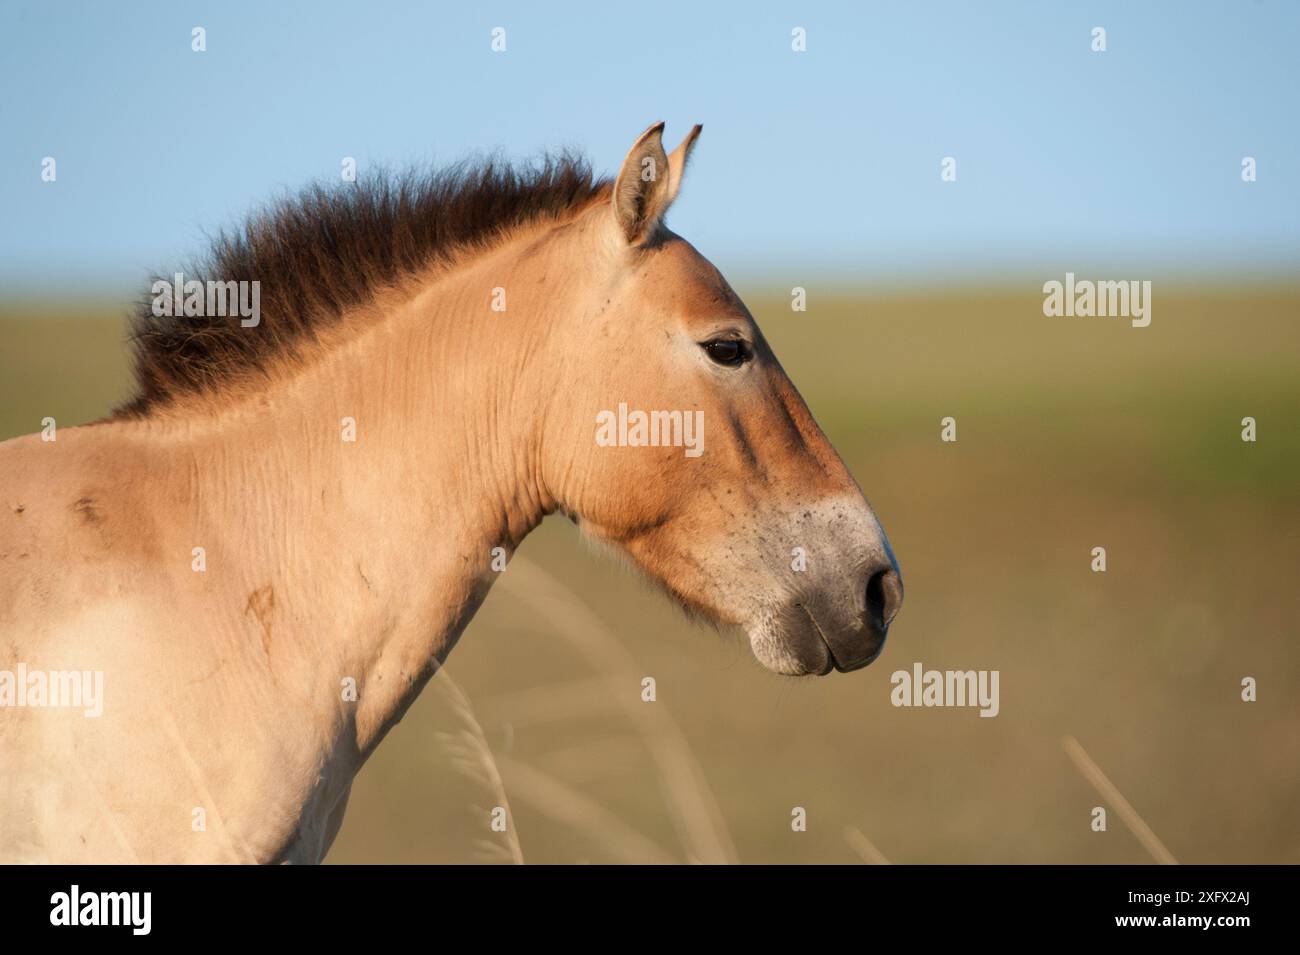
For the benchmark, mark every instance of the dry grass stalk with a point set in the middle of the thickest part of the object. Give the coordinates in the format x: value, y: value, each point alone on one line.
x: 699, y: 822
x: 863, y: 846
x: 569, y: 807
x: 1092, y: 772
x: 471, y: 754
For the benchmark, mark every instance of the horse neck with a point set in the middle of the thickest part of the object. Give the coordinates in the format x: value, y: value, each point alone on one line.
x: 373, y: 554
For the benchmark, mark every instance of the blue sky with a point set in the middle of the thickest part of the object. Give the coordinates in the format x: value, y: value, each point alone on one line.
x: 823, y: 163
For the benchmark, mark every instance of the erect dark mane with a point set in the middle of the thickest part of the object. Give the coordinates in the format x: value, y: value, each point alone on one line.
x: 329, y: 249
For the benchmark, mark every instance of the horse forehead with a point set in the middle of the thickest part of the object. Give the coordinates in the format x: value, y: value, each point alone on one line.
x: 688, y: 281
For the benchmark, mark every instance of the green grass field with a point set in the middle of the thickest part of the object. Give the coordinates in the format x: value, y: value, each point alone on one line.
x: 1072, y: 433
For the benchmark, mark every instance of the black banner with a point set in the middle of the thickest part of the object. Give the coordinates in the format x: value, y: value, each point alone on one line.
x: 332, y: 903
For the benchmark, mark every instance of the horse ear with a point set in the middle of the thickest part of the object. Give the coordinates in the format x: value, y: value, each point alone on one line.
x: 677, y: 161
x: 641, y: 191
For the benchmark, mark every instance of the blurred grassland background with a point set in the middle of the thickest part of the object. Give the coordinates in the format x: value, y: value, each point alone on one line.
x: 1072, y: 433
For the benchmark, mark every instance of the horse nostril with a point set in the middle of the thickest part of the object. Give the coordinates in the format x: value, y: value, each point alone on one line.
x: 884, y: 597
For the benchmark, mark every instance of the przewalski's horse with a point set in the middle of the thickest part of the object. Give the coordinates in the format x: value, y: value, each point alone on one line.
x: 440, y: 362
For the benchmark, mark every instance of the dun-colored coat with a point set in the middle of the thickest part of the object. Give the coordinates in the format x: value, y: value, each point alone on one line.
x: 318, y: 501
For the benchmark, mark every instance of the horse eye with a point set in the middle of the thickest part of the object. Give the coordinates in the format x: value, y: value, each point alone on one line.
x: 726, y: 351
